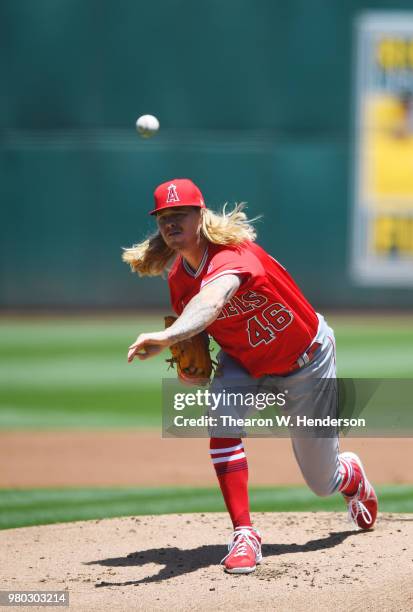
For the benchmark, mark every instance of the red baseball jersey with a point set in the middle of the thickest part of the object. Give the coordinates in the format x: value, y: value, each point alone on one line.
x: 268, y: 323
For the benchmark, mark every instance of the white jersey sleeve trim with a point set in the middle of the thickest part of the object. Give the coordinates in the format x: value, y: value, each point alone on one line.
x: 237, y: 272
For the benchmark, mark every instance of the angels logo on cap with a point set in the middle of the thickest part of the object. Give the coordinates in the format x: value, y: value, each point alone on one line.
x: 172, y: 195
x: 178, y: 192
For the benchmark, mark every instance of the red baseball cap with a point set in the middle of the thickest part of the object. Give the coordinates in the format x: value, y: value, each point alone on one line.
x: 178, y: 192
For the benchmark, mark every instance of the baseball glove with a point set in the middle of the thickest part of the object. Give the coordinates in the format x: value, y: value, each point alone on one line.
x: 191, y: 357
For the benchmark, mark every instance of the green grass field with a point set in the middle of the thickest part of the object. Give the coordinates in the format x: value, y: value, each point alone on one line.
x: 41, y: 506
x: 72, y: 373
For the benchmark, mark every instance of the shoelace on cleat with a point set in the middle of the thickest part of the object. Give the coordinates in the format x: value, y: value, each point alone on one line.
x: 356, y: 507
x: 238, y: 545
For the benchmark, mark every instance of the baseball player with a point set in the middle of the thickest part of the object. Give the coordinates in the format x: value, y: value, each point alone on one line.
x: 221, y: 281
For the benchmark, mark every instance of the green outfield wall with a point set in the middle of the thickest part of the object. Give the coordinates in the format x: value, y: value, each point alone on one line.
x: 255, y: 103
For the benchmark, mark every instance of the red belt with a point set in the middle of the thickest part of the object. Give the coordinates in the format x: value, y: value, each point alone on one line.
x: 305, y: 358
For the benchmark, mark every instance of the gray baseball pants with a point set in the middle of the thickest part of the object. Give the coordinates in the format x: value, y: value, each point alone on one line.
x: 311, y: 392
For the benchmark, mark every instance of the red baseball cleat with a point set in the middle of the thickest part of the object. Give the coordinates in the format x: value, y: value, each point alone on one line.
x: 244, y: 551
x: 358, y: 493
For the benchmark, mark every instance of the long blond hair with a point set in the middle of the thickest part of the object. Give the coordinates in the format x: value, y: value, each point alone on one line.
x: 152, y: 256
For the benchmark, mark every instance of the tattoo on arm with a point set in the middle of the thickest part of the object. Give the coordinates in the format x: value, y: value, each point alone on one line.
x: 204, y: 307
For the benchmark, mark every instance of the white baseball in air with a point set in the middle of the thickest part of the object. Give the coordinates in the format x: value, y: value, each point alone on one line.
x: 147, y: 126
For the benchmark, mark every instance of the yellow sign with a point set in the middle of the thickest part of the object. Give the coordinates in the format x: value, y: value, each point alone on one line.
x: 382, y: 237
x: 393, y: 235
x: 388, y: 151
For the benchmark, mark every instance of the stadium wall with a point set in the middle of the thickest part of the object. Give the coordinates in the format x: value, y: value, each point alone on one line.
x: 255, y: 103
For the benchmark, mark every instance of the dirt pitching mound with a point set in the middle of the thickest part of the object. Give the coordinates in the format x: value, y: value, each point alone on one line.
x: 170, y: 562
